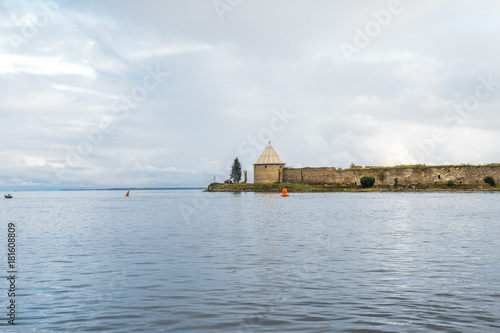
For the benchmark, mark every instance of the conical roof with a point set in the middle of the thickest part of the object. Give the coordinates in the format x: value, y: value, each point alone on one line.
x: 269, y: 156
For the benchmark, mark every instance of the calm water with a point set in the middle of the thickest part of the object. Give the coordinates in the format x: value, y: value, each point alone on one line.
x: 186, y: 261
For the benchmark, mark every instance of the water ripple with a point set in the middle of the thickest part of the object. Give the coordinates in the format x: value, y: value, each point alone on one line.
x: 366, y: 262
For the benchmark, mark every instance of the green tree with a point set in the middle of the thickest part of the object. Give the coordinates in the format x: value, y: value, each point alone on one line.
x: 367, y: 181
x: 236, y: 171
x: 381, y: 176
x: 489, y: 180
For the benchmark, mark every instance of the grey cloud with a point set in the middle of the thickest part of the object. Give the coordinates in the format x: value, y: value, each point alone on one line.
x: 226, y: 78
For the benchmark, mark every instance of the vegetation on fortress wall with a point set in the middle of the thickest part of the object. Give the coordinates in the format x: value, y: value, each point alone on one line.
x: 490, y: 180
x: 367, y: 182
x: 421, y: 166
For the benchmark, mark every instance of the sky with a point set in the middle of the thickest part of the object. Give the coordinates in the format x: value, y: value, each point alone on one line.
x: 166, y: 93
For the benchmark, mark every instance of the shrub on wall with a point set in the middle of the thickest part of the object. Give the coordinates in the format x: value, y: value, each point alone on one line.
x: 382, y: 176
x: 367, y: 181
x: 490, y: 180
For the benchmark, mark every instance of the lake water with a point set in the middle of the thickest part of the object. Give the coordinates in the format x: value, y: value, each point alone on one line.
x: 187, y: 261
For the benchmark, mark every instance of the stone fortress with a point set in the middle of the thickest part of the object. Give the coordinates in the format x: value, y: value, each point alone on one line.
x: 270, y: 168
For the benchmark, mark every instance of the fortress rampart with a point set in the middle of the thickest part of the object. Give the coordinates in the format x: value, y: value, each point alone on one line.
x: 462, y: 174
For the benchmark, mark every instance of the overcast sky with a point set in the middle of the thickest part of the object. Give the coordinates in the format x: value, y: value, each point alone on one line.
x: 168, y: 92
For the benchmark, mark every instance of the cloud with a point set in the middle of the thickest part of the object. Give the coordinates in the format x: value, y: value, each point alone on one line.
x: 10, y: 63
x: 225, y: 78
x: 150, y: 50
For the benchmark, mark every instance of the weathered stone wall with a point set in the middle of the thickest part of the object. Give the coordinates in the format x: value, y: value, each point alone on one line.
x: 269, y: 173
x: 405, y: 175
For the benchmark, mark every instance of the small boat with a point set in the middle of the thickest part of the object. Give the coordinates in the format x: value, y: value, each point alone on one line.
x: 128, y: 193
x: 8, y: 196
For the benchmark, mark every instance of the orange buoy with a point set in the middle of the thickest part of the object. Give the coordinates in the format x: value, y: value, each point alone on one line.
x: 285, y: 193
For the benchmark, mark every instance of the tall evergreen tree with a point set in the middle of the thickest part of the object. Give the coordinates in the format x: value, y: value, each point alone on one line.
x: 236, y: 171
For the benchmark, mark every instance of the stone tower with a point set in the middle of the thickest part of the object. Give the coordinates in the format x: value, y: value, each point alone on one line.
x: 269, y: 167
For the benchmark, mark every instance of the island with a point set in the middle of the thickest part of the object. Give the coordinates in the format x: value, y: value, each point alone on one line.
x: 272, y: 175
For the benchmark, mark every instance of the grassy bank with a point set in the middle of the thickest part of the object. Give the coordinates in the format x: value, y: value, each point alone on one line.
x: 304, y: 188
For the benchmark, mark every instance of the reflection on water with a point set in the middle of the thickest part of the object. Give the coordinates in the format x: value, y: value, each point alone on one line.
x: 245, y: 262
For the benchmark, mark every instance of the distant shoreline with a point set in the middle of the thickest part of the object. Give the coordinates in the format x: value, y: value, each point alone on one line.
x: 307, y: 188
x: 136, y: 189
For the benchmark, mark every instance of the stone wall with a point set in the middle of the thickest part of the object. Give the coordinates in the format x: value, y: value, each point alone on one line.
x: 269, y: 173
x: 406, y: 175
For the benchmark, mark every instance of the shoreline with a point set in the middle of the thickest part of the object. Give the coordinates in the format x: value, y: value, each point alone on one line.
x: 307, y: 188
